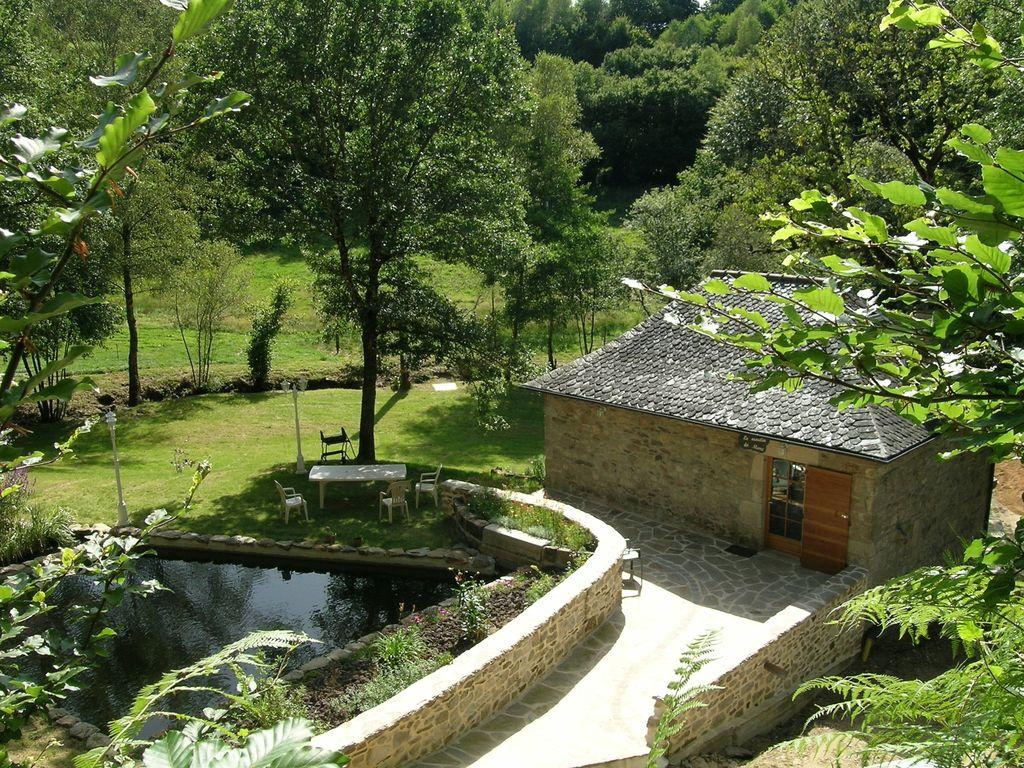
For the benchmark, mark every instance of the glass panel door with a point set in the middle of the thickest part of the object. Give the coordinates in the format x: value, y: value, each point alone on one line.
x: 786, y: 504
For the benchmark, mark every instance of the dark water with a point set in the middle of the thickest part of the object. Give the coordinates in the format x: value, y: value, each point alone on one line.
x: 212, y: 604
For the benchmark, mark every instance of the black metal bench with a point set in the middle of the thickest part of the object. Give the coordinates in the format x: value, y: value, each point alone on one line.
x: 336, y: 446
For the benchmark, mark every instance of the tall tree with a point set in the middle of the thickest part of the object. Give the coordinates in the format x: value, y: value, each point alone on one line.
x: 147, y: 231
x: 381, y: 125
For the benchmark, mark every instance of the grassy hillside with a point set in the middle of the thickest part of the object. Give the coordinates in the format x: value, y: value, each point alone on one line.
x: 300, y: 346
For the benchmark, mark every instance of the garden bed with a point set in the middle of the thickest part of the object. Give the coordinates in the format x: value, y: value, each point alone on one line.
x: 425, y: 641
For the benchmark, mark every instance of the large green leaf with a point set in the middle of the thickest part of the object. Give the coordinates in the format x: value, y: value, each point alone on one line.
x: 991, y: 256
x: 28, y: 150
x: 117, y: 132
x: 172, y: 751
x: 197, y: 17
x: 896, y: 192
x: 1005, y: 187
x: 230, y: 103
x: 12, y: 113
x: 125, y: 72
x: 822, y: 300
x: 752, y: 281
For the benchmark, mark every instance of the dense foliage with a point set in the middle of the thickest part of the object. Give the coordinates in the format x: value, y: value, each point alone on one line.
x: 266, y: 324
x: 923, y: 314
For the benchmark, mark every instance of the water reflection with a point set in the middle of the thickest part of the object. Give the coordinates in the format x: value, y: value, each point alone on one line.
x: 211, y: 604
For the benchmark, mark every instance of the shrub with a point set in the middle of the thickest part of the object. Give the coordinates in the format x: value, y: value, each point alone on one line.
x: 540, y: 585
x: 263, y: 705
x: 471, y: 608
x: 537, y: 521
x: 388, y: 682
x: 489, y: 506
x: 25, y: 531
x: 399, y: 648
x: 266, y: 324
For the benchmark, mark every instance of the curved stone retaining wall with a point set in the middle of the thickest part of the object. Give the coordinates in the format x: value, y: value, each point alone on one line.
x: 755, y: 692
x: 510, y: 548
x: 435, y: 710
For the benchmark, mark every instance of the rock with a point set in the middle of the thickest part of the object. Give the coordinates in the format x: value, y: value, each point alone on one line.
x: 396, y: 552
x: 314, y: 664
x: 285, y: 544
x: 345, y: 548
x: 355, y: 647
x: 741, y: 752
x: 56, y: 713
x: 320, y: 547
x: 305, y: 544
x: 167, y: 535
x: 101, y: 528
x: 67, y: 721
x: 334, y: 547
x: 244, y: 540
x: 190, y: 536
x: 97, y: 740
x: 294, y: 676
x: 482, y: 563
x: 372, y: 551
x: 220, y: 538
x: 203, y: 538
x: 267, y: 543
x: 438, y: 554
x: 83, y: 730
x: 419, y: 552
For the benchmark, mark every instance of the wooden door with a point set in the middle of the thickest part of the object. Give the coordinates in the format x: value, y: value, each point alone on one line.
x: 826, y: 524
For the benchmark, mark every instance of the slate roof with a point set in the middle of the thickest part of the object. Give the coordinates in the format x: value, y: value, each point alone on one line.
x: 670, y: 370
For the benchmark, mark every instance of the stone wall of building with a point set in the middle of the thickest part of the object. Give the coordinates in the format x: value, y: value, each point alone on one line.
x: 924, y: 507
x: 902, y: 514
x: 685, y: 472
x: 755, y: 692
x: 485, y: 679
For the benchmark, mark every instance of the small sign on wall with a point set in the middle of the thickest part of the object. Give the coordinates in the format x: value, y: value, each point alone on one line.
x: 753, y: 443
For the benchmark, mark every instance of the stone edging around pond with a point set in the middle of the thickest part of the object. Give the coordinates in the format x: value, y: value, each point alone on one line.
x: 458, y: 558
x: 435, y: 710
x: 510, y: 548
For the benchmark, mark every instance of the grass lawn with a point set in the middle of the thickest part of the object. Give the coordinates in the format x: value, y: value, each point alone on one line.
x: 250, y: 440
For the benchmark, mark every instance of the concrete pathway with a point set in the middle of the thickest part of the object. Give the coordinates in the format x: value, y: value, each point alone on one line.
x: 593, y: 708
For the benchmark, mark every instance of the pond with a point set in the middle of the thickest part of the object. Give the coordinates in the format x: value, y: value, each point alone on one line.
x: 210, y: 604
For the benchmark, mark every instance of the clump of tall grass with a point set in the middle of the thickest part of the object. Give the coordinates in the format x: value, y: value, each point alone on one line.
x: 25, y: 531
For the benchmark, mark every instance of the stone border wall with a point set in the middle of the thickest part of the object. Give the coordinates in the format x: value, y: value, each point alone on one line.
x: 755, y: 692
x: 510, y: 548
x: 459, y: 558
x: 434, y: 711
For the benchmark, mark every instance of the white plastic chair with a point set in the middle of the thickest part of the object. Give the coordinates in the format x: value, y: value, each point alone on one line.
x: 291, y: 499
x: 394, y: 498
x: 428, y: 484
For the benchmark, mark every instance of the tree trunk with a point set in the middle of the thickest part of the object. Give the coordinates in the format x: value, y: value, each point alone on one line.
x: 368, y: 406
x: 551, y: 344
x: 404, y: 373
x: 134, y: 385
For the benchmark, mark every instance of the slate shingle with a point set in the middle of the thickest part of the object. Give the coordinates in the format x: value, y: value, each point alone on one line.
x: 669, y: 370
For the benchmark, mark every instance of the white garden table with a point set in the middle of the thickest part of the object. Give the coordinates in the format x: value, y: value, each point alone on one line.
x: 354, y: 473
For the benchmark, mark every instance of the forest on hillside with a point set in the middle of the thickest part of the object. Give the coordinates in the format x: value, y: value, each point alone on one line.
x: 596, y: 140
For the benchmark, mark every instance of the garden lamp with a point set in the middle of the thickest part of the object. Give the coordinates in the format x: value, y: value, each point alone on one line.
x: 122, y: 508
x: 298, y: 386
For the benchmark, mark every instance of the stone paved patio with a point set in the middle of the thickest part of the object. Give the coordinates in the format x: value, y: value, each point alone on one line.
x: 593, y: 709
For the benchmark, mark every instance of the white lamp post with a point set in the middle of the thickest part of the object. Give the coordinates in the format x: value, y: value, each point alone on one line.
x: 122, y: 508
x: 299, y: 386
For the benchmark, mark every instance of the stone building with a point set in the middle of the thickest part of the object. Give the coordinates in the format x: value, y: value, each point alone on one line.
x: 652, y: 422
